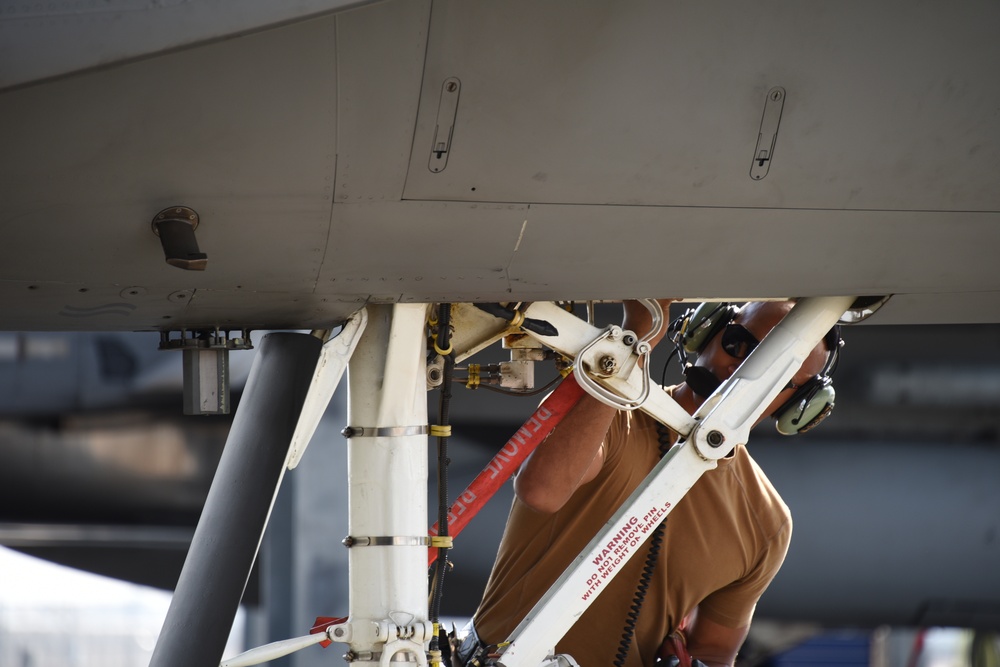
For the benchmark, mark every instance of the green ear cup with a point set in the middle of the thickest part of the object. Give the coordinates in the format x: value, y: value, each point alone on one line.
x: 707, y: 320
x: 794, y: 417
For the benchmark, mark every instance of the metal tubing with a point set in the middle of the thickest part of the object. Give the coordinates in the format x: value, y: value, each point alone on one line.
x: 225, y: 543
x: 387, y: 475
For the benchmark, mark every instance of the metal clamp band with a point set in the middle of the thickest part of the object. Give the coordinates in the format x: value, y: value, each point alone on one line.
x: 386, y: 541
x: 383, y: 431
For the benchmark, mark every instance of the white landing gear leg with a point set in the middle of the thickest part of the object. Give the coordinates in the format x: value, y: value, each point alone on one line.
x: 387, y: 476
x: 387, y: 479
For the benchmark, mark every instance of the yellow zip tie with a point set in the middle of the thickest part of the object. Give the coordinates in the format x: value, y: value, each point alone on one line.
x: 438, y: 431
x: 443, y: 353
x: 518, y: 319
x: 566, y: 371
x: 441, y: 542
x: 474, y: 378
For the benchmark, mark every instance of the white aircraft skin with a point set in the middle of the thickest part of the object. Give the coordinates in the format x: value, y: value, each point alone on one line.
x: 600, y: 151
x: 412, y: 152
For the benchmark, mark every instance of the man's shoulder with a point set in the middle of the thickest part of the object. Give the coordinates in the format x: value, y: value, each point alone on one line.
x: 761, y: 496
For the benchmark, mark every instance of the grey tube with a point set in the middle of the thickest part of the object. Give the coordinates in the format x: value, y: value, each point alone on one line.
x: 225, y: 543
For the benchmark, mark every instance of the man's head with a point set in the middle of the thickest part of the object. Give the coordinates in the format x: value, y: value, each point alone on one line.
x: 722, y: 354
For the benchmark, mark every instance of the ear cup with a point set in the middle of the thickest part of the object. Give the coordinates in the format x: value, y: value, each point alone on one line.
x: 809, y: 405
x: 704, y: 323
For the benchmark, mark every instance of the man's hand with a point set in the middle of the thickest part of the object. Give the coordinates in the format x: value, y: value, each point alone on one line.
x: 715, y: 645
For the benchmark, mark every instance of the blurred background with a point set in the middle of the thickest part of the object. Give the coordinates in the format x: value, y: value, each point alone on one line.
x: 102, y: 478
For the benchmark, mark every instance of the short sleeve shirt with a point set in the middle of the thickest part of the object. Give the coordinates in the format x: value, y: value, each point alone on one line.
x: 723, y: 543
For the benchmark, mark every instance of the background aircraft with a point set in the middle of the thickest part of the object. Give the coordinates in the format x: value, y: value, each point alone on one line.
x: 342, y: 153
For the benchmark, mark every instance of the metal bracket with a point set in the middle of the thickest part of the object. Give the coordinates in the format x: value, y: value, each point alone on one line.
x: 768, y: 133
x: 175, y: 227
x: 445, y: 127
x: 330, y: 369
x: 206, y: 367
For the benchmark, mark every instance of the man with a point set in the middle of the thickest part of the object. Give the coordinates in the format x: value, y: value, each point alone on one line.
x: 723, y: 543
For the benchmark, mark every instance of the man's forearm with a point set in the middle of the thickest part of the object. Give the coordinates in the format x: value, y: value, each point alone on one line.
x: 570, y: 457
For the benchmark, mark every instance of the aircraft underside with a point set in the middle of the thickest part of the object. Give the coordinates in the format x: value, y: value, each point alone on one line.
x: 349, y: 165
x: 446, y: 151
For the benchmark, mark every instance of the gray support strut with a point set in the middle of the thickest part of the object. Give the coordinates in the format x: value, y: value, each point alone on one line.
x: 225, y: 543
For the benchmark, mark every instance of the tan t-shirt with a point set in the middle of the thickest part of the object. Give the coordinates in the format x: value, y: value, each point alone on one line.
x: 724, y: 542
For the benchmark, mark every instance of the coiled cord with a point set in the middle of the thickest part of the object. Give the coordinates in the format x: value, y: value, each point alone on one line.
x: 655, y: 543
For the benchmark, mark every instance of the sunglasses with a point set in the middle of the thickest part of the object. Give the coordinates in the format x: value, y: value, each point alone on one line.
x: 737, y: 341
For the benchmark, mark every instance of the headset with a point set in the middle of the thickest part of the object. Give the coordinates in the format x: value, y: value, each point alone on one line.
x: 809, y: 405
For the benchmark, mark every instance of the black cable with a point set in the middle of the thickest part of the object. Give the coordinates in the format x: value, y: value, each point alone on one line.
x: 663, y: 376
x: 540, y: 327
x: 655, y: 543
x: 632, y: 617
x: 514, y: 392
x: 443, y: 343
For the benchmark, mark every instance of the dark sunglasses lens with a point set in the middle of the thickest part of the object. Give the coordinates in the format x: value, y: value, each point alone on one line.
x: 737, y: 341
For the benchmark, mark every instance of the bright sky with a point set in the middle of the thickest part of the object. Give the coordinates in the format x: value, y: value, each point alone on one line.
x: 28, y: 581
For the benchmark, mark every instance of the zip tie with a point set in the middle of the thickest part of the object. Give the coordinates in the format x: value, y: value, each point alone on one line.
x: 518, y: 319
x: 441, y: 542
x: 439, y: 431
x: 443, y: 353
x: 566, y: 371
x: 474, y: 378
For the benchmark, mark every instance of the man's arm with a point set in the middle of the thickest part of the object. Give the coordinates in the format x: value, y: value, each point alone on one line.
x: 714, y: 644
x: 572, y: 455
x: 717, y: 644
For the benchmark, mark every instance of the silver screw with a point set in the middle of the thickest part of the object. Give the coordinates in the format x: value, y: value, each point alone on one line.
x: 607, y: 364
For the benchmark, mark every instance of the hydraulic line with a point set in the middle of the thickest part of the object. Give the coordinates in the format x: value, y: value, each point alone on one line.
x: 443, y: 347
